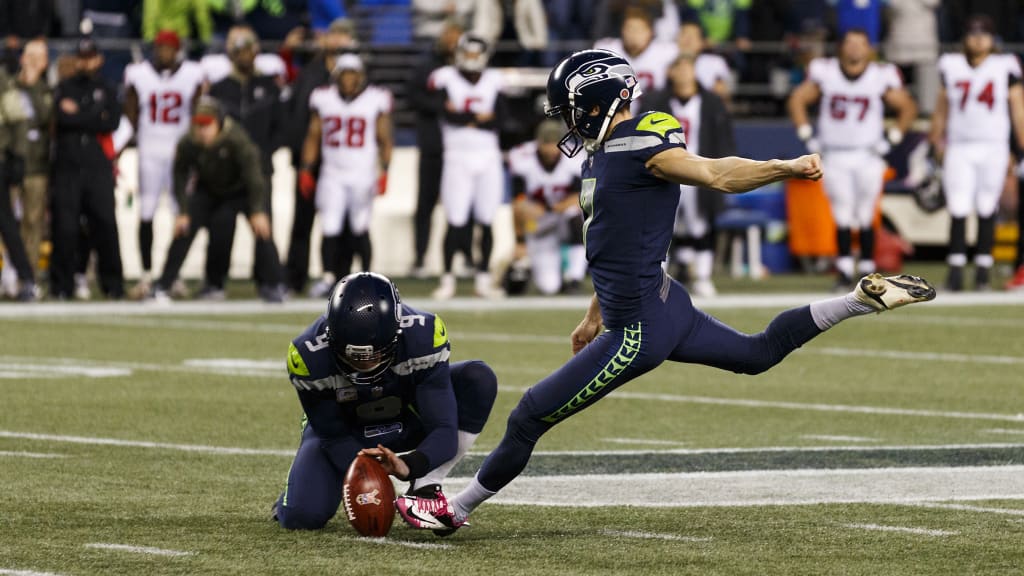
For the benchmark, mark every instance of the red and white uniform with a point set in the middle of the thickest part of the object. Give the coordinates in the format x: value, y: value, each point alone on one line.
x: 550, y: 187
x: 165, y: 112
x: 472, y: 180
x: 651, y: 66
x: 348, y: 156
x: 977, y: 131
x: 689, y: 220
x: 851, y: 133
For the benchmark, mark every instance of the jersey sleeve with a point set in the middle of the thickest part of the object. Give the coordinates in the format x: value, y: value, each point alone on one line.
x: 1013, y: 67
x: 943, y: 67
x: 891, y: 78
x: 816, y: 71
x: 655, y: 133
x: 438, y: 79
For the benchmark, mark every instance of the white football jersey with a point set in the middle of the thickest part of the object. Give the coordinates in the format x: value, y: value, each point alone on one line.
x: 165, y: 102
x: 651, y: 65
x: 978, y: 97
x: 216, y: 67
x: 542, y: 185
x: 465, y: 96
x: 688, y: 115
x: 348, y: 130
x: 710, y: 68
x: 851, y: 109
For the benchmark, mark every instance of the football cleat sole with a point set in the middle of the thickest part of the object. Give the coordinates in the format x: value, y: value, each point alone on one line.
x: 886, y: 293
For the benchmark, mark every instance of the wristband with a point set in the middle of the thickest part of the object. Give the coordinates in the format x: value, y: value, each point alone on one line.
x: 804, y: 132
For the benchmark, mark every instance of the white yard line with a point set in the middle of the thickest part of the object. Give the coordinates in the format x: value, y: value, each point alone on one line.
x: 12, y: 572
x: 93, y: 441
x: 833, y: 438
x: 40, y: 455
x: 575, y: 303
x: 232, y: 451
x: 918, y: 356
x: 902, y: 529
x: 652, y: 536
x: 967, y: 508
x: 1011, y: 431
x: 649, y: 441
x: 764, y: 487
x: 138, y: 549
x: 391, y: 542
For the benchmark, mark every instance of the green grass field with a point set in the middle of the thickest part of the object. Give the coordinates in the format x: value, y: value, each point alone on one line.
x: 892, y: 444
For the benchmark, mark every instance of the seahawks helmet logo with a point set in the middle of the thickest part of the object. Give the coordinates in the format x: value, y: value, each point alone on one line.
x: 596, y: 72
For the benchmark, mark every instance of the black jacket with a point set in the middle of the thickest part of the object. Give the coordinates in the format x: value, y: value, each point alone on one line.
x: 314, y: 74
x: 77, y: 141
x: 26, y: 18
x: 256, y: 105
x: 427, y: 104
x: 716, y: 136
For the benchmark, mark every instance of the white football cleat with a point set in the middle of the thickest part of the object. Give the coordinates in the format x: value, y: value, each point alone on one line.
x: 445, y: 290
x: 885, y: 293
x: 483, y: 286
x: 82, y: 291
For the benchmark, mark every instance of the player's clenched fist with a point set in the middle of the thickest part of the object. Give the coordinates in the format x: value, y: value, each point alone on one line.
x: 807, y: 167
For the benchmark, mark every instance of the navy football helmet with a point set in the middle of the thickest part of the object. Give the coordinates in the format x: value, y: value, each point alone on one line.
x: 364, y: 317
x: 582, y: 81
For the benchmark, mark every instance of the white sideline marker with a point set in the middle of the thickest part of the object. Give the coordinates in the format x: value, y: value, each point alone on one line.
x: 17, y: 454
x: 653, y: 536
x: 968, y: 508
x: 833, y: 438
x: 903, y: 529
x: 12, y: 572
x: 138, y: 549
x: 390, y: 542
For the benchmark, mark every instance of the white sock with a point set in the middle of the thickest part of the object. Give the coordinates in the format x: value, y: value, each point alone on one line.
x: 845, y: 266
x: 577, y: 267
x: 438, y: 475
x: 866, y: 266
x: 473, y: 495
x: 685, y: 255
x: 704, y: 262
x: 828, y: 313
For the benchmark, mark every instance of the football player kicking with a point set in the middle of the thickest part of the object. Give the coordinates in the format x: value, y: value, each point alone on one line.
x: 639, y: 317
x: 373, y: 374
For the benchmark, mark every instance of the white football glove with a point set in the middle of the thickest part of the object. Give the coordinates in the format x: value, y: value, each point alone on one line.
x: 806, y: 135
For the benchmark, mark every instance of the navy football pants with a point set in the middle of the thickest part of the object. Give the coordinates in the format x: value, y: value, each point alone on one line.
x: 315, y: 484
x: 670, y: 330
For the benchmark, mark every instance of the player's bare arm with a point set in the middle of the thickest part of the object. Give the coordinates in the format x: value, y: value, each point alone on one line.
x: 803, y: 96
x: 311, y: 145
x: 732, y: 174
x: 588, y: 328
x: 385, y: 140
x: 900, y: 100
x: 937, y: 135
x: 1016, y: 96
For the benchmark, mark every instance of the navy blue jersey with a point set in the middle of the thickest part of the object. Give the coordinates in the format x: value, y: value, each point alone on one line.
x: 413, y: 400
x: 629, y: 214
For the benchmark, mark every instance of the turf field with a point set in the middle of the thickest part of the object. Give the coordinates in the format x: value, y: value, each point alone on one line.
x: 145, y: 440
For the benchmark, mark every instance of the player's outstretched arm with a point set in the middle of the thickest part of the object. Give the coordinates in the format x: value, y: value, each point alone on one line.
x: 733, y: 174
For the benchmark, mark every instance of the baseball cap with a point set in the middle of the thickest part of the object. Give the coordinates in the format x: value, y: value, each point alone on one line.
x: 348, y: 61
x: 87, y: 47
x: 550, y: 131
x: 980, y: 24
x: 167, y: 38
x: 207, y: 111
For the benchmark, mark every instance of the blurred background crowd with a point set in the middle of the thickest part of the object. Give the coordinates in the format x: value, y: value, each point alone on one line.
x: 58, y: 208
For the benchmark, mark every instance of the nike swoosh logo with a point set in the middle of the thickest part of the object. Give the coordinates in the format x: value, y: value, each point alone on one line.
x: 653, y: 122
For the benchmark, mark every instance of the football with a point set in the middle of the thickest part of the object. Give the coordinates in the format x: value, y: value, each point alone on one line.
x: 369, y: 497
